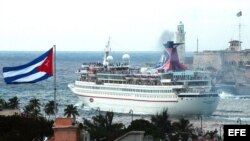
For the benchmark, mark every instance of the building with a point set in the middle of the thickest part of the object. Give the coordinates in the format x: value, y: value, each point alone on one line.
x: 65, y: 129
x: 235, y: 45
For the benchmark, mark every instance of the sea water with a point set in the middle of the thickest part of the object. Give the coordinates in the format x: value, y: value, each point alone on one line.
x: 231, y: 108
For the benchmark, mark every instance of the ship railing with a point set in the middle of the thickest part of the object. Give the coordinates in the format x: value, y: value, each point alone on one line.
x: 129, y: 85
x: 180, y: 90
x: 202, y: 92
x: 192, y: 78
x: 92, y: 64
x: 82, y: 71
x: 109, y: 72
x: 166, y: 81
x: 119, y: 64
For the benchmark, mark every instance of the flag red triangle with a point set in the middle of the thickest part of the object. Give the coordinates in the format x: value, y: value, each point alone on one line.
x: 47, y: 65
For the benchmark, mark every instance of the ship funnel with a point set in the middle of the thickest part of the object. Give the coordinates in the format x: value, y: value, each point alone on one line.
x: 172, y: 62
x: 171, y: 44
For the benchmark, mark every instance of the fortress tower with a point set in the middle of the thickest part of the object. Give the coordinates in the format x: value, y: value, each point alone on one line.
x: 180, y: 38
x: 235, y: 45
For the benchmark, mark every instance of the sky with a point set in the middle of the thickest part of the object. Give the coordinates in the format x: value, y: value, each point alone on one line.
x: 132, y: 25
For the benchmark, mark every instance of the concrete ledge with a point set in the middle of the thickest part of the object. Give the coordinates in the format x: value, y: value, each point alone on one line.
x: 9, y: 112
x: 132, y: 136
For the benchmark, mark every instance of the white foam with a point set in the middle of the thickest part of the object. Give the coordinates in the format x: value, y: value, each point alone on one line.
x: 224, y: 95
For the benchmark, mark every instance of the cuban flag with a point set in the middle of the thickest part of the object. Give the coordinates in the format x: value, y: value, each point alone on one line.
x: 37, y: 70
x: 239, y: 14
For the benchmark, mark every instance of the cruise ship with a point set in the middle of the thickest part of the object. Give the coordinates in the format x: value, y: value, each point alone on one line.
x: 123, y: 88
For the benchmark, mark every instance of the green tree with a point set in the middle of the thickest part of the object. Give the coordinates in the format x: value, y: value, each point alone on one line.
x: 50, y: 108
x: 102, y: 126
x: 144, y: 125
x: 19, y: 128
x: 71, y: 110
x: 2, y: 103
x: 161, y: 120
x: 183, y: 125
x: 27, y: 110
x: 35, y: 103
x: 13, y: 103
x: 182, y: 128
x: 33, y: 108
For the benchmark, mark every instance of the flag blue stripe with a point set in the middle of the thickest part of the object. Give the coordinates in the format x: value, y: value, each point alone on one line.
x: 40, y: 58
x: 46, y: 76
x: 13, y: 78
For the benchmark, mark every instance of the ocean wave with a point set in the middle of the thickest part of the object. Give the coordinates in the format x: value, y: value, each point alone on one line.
x: 225, y: 95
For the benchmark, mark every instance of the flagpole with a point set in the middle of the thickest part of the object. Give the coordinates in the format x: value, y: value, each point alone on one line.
x: 240, y: 31
x: 239, y: 14
x: 54, y: 74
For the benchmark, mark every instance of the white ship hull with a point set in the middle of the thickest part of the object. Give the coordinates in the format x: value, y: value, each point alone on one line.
x: 120, y: 102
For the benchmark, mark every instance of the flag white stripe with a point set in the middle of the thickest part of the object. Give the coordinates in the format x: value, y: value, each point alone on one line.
x: 31, y: 77
x: 22, y: 71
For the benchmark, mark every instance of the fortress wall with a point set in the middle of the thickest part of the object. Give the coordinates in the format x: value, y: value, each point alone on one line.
x: 236, y: 57
x: 207, y: 59
x: 218, y: 59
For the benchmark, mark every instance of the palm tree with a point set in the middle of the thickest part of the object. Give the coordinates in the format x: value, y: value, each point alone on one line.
x: 33, y: 108
x: 183, y: 125
x: 2, y: 103
x: 161, y: 121
x: 109, y: 119
x: 36, y: 113
x: 144, y: 125
x: 182, y: 128
x: 50, y: 108
x: 13, y: 102
x: 35, y: 103
x: 103, y: 126
x: 27, y: 110
x: 71, y: 110
x: 106, y: 121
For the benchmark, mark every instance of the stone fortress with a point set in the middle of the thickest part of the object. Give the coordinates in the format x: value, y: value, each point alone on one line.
x: 232, y: 56
x: 230, y: 67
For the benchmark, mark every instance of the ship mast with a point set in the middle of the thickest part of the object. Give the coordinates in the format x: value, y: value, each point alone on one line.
x: 197, y: 45
x: 106, y: 53
x: 239, y: 29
